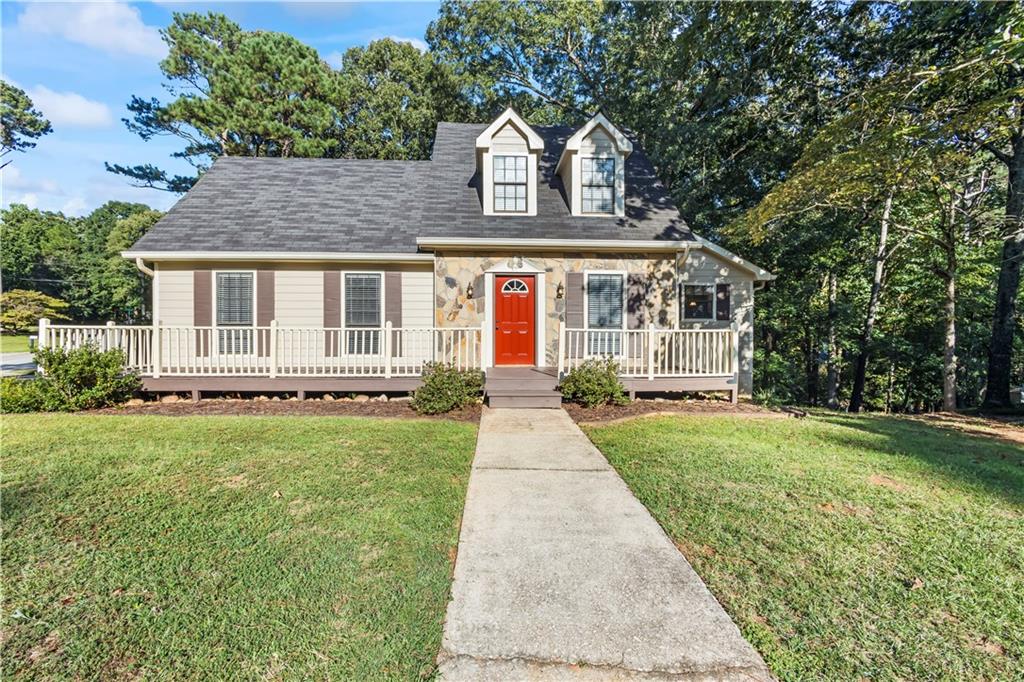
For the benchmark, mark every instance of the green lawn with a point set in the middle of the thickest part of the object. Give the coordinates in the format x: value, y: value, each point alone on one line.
x: 228, y: 547
x: 13, y: 343
x: 844, y: 547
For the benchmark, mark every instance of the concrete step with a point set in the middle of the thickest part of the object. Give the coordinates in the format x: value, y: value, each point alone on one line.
x: 538, y: 383
x: 549, y: 400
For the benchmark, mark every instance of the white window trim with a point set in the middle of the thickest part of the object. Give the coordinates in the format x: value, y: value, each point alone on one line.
x: 616, y: 185
x: 586, y: 296
x: 215, y: 341
x: 383, y: 294
x: 530, y: 173
x: 683, y: 320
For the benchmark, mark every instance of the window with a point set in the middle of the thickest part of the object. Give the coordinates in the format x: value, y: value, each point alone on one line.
x: 509, y: 184
x: 598, y: 185
x: 235, y: 306
x: 362, y: 313
x: 604, y: 312
x: 707, y: 302
x: 515, y: 286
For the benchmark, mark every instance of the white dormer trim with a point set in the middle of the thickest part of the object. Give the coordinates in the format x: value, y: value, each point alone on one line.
x: 570, y: 166
x: 533, y: 140
x: 486, y: 149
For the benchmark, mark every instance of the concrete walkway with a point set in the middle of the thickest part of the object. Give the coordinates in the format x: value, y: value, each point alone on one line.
x: 563, y: 574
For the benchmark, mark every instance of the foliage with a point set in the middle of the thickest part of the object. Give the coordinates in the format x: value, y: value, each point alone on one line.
x: 84, y: 378
x: 306, y: 583
x: 869, y: 510
x: 446, y: 388
x: 79, y: 259
x: 20, y: 122
x: 24, y: 395
x: 259, y: 93
x: 594, y: 382
x: 21, y: 309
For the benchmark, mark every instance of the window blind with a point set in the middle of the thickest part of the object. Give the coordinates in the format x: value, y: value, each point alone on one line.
x: 234, y: 299
x: 362, y: 300
x: 604, y: 301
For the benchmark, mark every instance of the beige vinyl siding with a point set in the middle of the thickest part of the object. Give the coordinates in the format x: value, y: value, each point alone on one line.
x: 174, y: 297
x: 418, y: 299
x: 299, y: 298
x: 597, y: 142
x: 509, y: 140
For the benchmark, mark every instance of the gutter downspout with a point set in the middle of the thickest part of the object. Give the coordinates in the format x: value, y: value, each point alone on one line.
x: 141, y: 265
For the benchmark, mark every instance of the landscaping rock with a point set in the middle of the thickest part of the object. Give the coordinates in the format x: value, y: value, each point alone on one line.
x: 261, y: 397
x: 135, y: 402
x: 402, y: 399
x: 170, y: 398
x: 361, y: 398
x: 328, y: 397
x: 382, y: 398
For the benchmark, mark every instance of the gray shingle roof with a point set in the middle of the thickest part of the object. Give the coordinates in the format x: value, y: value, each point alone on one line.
x: 345, y: 205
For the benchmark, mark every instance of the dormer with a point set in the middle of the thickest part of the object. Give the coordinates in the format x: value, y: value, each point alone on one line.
x: 507, y: 154
x: 593, y: 169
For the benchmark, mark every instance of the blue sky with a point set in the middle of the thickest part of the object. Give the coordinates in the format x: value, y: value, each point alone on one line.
x: 81, y: 63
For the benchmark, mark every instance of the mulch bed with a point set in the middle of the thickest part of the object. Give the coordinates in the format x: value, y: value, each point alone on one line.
x: 642, y: 408
x: 320, y: 408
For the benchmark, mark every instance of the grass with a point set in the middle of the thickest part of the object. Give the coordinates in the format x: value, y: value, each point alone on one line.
x: 13, y: 343
x: 845, y: 547
x: 228, y: 547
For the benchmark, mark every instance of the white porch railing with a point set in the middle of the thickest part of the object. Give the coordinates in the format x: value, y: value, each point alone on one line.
x: 274, y: 351
x: 653, y: 353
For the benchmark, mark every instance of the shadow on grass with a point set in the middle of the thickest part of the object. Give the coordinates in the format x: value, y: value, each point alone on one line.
x: 979, y: 460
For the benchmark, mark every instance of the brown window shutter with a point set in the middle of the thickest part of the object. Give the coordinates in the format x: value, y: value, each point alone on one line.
x: 574, y: 300
x: 636, y: 301
x: 723, y: 307
x: 202, y: 309
x: 393, y: 307
x: 264, y: 310
x: 332, y: 312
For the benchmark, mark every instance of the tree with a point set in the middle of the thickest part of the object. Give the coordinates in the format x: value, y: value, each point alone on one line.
x: 20, y: 122
x: 129, y: 289
x: 238, y: 93
x: 22, y: 309
x: 392, y: 97
x: 28, y: 236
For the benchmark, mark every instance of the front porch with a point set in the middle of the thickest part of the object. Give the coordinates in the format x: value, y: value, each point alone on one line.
x: 301, y: 360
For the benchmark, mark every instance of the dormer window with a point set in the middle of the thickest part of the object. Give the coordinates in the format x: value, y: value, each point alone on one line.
x: 507, y: 155
x: 510, y: 187
x: 593, y: 169
x: 598, y: 185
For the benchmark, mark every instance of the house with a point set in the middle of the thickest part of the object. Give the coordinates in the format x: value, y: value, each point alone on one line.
x: 521, y: 250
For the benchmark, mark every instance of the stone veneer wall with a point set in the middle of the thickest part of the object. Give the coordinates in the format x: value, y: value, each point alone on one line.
x: 455, y: 271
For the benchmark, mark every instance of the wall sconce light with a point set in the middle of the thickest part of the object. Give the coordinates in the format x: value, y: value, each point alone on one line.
x: 560, y: 291
x: 469, y: 291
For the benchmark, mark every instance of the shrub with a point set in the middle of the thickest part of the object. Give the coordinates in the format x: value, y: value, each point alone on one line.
x: 24, y: 395
x: 446, y: 388
x: 595, y: 382
x: 84, y: 378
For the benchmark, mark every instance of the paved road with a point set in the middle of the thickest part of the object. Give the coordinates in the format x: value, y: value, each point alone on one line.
x: 563, y: 574
x: 16, y: 363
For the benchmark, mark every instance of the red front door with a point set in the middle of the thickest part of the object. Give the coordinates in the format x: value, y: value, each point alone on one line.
x: 514, y: 316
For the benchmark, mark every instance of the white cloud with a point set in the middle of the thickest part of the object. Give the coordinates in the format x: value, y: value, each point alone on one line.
x: 29, y: 199
x: 415, y: 42
x: 113, y: 27
x: 70, y: 108
x: 335, y: 59
x: 12, y: 178
x: 75, y: 206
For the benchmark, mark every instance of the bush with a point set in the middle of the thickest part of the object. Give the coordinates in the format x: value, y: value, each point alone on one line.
x: 80, y: 379
x: 593, y: 383
x: 446, y: 388
x: 24, y: 395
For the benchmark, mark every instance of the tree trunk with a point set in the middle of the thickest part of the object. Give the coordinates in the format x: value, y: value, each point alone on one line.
x: 881, y: 256
x: 1004, y: 321
x: 832, y: 379
x: 949, y: 360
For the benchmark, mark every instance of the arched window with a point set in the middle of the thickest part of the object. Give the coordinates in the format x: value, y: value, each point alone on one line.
x: 515, y: 286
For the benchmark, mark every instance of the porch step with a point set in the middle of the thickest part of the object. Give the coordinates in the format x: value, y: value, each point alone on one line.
x: 522, y: 387
x: 524, y: 397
